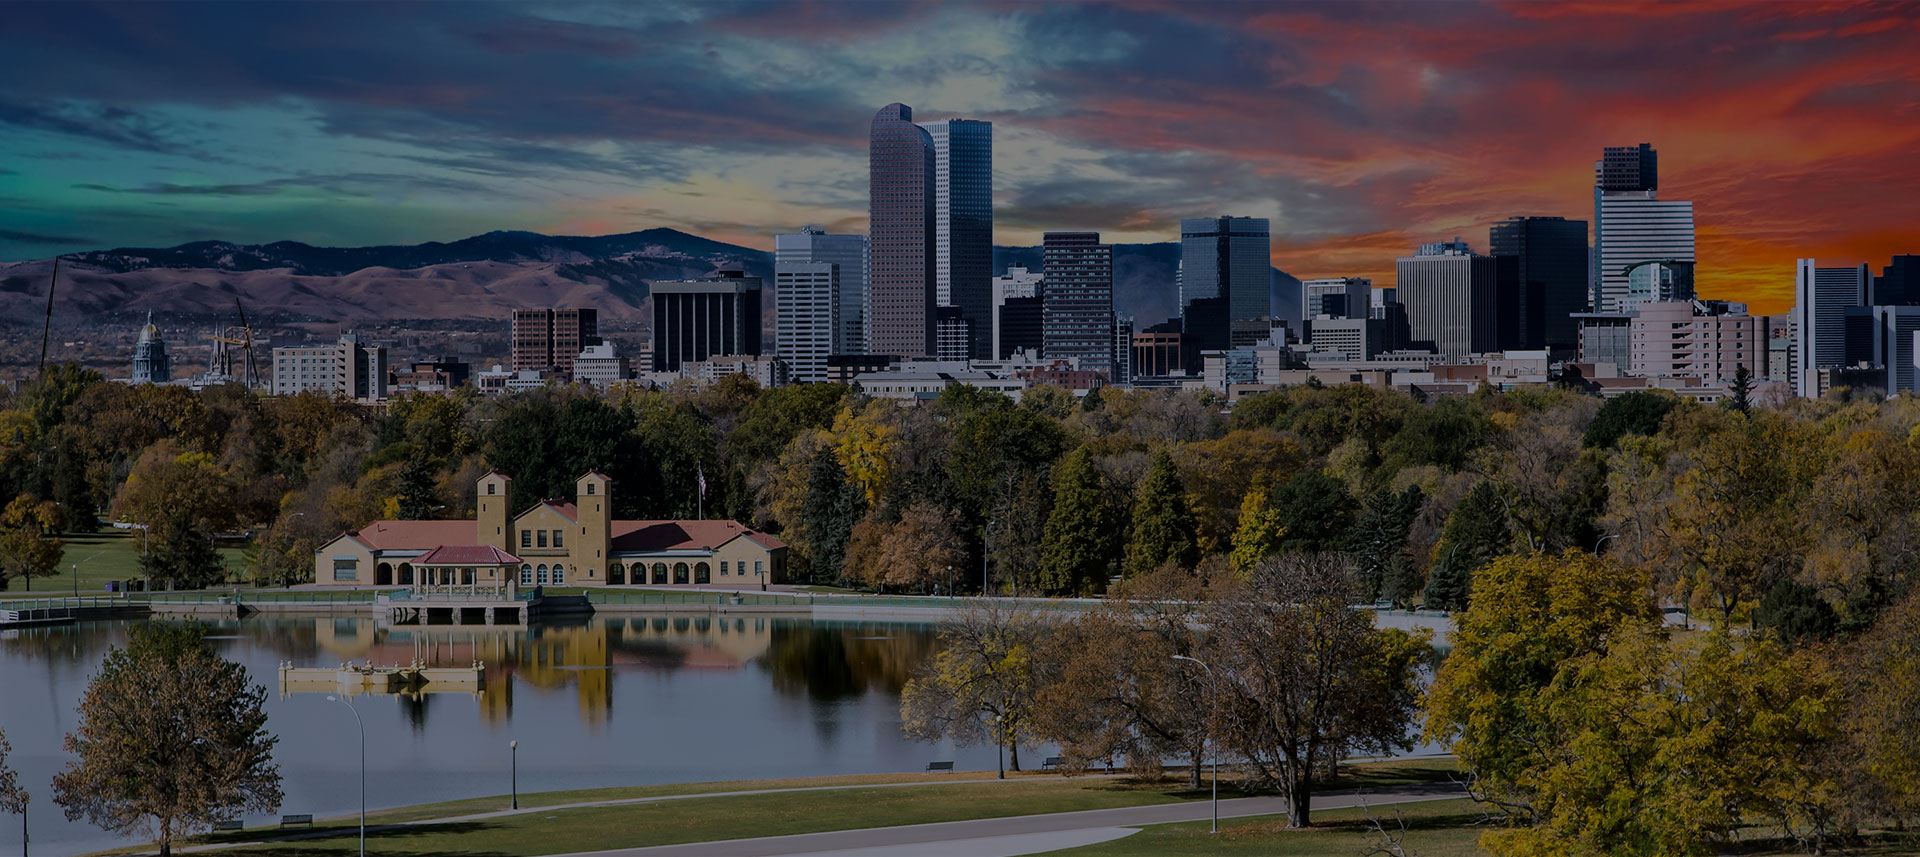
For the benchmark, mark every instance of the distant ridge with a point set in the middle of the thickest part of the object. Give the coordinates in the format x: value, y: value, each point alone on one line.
x: 482, y: 277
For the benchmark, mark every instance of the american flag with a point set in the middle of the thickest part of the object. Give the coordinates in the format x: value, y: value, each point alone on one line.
x: 702, y: 471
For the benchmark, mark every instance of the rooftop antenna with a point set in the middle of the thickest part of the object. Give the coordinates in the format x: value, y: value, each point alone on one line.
x: 46, y: 333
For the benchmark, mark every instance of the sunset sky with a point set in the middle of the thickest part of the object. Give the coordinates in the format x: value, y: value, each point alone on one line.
x: 1360, y: 129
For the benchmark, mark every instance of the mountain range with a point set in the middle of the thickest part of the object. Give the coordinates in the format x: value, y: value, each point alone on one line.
x: 483, y: 277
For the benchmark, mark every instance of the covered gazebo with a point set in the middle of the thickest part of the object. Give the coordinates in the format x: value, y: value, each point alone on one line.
x: 470, y: 569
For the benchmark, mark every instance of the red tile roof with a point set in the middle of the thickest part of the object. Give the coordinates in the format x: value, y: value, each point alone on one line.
x: 467, y: 555
x: 684, y: 535
x: 570, y: 511
x: 416, y: 535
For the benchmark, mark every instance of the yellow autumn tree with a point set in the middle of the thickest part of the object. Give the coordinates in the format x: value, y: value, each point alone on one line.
x: 865, y: 444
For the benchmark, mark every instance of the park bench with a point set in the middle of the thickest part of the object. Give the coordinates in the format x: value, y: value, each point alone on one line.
x: 296, y: 820
x: 1051, y: 763
x: 229, y: 824
x: 939, y: 766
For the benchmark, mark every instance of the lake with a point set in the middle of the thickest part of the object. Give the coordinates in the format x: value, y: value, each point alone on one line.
x: 627, y: 700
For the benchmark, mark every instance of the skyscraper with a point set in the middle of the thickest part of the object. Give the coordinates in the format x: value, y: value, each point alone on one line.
x: 1898, y: 283
x: 1226, y: 281
x: 1822, y: 297
x: 547, y: 340
x: 803, y: 323
x: 1631, y: 223
x: 1017, y: 317
x: 848, y: 255
x: 900, y: 270
x: 963, y: 222
x: 1078, y: 299
x: 1450, y: 296
x: 1551, y: 270
x: 697, y: 319
x: 150, y: 363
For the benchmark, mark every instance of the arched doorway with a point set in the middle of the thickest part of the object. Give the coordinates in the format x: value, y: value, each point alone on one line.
x: 540, y: 574
x: 383, y: 574
x: 406, y: 574
x: 559, y: 575
x: 616, y: 574
x: 659, y: 572
x: 702, y: 573
x: 679, y: 572
x: 526, y: 575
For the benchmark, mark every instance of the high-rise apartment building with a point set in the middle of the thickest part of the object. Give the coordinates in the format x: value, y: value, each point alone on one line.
x: 1551, y: 274
x: 1661, y: 281
x: 1077, y: 299
x: 1631, y: 224
x: 150, y: 363
x: 547, y: 340
x: 1710, y: 340
x: 963, y: 222
x: 1451, y: 299
x: 346, y: 368
x: 1122, y: 375
x: 1822, y: 297
x: 953, y: 334
x: 900, y: 248
x: 697, y: 319
x: 1226, y: 281
x: 848, y: 254
x: 803, y: 325
x: 1336, y: 297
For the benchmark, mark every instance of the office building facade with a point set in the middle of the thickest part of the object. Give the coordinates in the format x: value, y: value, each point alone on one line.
x: 1551, y: 270
x: 346, y: 368
x: 547, y: 340
x: 805, y: 316
x: 963, y: 222
x: 1226, y: 281
x: 848, y: 254
x: 1894, y: 328
x: 1710, y: 340
x: 1077, y: 299
x: 1336, y: 297
x: 1450, y: 298
x: 694, y: 320
x: 1016, y: 311
x: 900, y: 233
x: 1822, y: 297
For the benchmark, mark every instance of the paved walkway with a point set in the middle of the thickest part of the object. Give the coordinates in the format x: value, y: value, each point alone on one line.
x: 1016, y: 835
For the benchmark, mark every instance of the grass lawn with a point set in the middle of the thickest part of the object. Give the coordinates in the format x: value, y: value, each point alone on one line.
x: 102, y: 556
x: 776, y: 814
x: 1435, y: 829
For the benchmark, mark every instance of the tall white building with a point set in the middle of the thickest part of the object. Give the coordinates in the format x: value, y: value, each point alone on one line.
x: 963, y: 221
x: 847, y: 322
x: 345, y: 369
x: 600, y: 366
x: 804, y: 316
x: 1822, y: 297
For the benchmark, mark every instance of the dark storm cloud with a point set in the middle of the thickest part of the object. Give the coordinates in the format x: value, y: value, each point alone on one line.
x: 37, y: 238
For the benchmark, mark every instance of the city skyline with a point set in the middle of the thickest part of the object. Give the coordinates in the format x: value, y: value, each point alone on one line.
x: 153, y: 124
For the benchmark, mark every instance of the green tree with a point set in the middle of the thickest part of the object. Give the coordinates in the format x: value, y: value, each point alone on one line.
x: 1315, y: 510
x: 418, y: 495
x: 13, y: 798
x: 1740, y: 392
x: 1638, y: 412
x: 1444, y: 435
x: 1796, y: 614
x: 28, y: 546
x: 1161, y: 527
x: 172, y: 738
x: 1081, y: 538
x: 1476, y: 533
x: 833, y: 505
x: 1380, y: 544
x: 179, y: 553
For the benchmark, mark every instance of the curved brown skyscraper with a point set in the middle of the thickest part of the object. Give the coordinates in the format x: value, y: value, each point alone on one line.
x: 900, y: 235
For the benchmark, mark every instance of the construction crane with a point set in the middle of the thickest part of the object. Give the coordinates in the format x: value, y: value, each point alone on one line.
x: 224, y: 341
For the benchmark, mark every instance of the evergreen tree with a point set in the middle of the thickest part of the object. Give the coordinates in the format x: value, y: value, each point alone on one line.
x: 1316, y: 512
x: 1380, y: 542
x: 179, y: 553
x: 1477, y: 532
x: 416, y: 493
x: 1162, y: 527
x: 833, y: 506
x: 1742, y: 390
x: 1080, y: 540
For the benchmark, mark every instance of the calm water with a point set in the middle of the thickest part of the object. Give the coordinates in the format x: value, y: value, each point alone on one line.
x: 606, y: 702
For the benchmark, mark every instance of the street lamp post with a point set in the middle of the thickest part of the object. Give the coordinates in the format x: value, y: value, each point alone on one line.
x: 514, y: 747
x: 1214, y: 706
x: 363, y: 769
x: 1602, y: 541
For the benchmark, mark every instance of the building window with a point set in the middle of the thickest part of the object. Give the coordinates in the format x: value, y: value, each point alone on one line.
x: 758, y: 569
x: 659, y: 572
x: 723, y: 568
x: 346, y: 569
x: 541, y: 574
x: 492, y: 488
x: 542, y: 535
x: 557, y: 539
x: 526, y: 538
x: 590, y: 488
x: 702, y: 573
x: 679, y: 572
x: 526, y: 575
x: 559, y: 575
